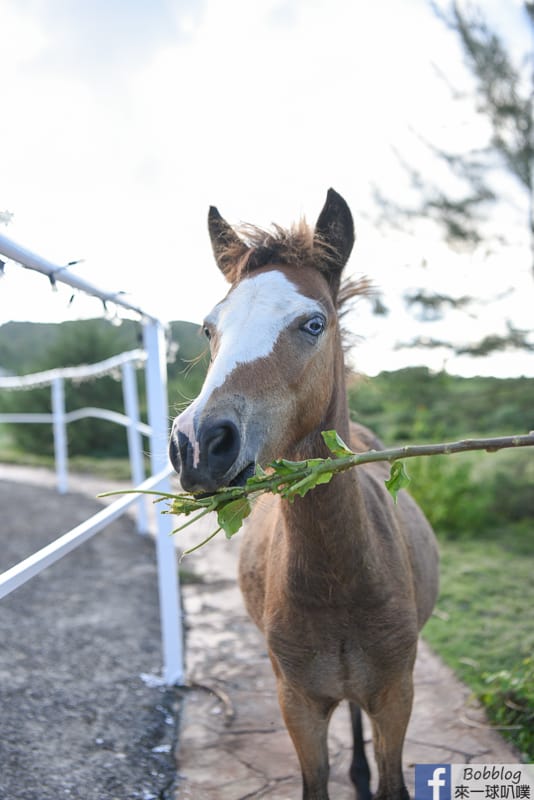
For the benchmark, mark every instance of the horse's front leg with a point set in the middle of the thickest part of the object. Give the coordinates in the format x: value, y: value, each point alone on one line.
x: 390, y: 721
x: 307, y: 722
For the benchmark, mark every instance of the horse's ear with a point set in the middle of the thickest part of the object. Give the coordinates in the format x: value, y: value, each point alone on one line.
x: 334, y: 231
x: 228, y: 248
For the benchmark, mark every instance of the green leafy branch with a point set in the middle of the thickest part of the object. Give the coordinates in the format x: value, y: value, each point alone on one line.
x: 290, y: 479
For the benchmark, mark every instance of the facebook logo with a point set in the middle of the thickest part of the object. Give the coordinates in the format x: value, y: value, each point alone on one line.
x: 432, y: 782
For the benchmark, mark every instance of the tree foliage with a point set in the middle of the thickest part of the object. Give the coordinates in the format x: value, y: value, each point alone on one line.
x: 466, y: 215
x: 35, y: 347
x: 415, y: 403
x: 72, y: 344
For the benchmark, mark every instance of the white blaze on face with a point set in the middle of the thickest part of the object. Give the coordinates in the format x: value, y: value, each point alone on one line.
x: 248, y: 322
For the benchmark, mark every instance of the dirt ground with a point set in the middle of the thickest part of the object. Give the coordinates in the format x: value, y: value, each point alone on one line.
x: 80, y: 715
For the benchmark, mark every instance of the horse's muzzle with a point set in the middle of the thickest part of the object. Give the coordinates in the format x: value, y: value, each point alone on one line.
x: 209, y: 462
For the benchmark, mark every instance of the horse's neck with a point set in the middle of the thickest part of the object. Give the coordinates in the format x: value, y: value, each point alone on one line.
x: 327, y: 532
x: 328, y: 556
x: 336, y: 418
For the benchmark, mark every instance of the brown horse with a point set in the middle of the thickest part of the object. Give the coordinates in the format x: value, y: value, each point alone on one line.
x: 340, y: 581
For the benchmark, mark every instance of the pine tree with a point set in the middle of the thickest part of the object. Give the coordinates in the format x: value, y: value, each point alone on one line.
x: 503, y: 94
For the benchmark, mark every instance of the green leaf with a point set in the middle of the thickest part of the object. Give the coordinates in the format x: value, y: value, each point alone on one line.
x: 305, y: 484
x: 324, y: 477
x: 398, y: 479
x: 335, y: 444
x: 284, y: 467
x: 231, y: 515
x: 185, y: 504
x: 316, y: 462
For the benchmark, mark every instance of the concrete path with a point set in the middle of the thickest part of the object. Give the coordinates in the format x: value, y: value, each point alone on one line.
x: 232, y: 744
x: 232, y: 741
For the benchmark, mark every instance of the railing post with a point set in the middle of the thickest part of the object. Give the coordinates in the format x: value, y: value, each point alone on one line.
x: 60, y: 435
x: 158, y: 417
x: 135, y: 441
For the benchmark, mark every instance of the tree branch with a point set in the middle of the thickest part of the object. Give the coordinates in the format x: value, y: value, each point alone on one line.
x: 447, y: 448
x: 292, y: 478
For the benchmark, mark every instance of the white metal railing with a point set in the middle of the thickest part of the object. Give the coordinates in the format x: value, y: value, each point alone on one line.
x: 158, y: 418
x: 60, y: 274
x: 12, y: 578
x: 60, y: 418
x: 80, y: 373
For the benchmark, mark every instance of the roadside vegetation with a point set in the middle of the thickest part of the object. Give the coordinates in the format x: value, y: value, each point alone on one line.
x: 482, y: 509
x: 481, y: 506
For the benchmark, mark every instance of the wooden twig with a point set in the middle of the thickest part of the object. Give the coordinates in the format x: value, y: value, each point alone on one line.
x: 292, y: 478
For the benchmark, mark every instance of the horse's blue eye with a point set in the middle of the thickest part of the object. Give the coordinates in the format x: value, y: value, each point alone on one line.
x: 314, y: 326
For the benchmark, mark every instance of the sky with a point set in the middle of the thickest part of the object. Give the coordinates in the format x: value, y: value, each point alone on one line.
x: 124, y: 120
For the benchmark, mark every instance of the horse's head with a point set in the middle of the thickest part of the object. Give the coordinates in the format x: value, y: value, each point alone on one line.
x: 275, y: 348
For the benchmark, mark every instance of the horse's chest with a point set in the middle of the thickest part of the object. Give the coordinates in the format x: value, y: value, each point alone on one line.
x: 327, y: 661
x: 337, y: 653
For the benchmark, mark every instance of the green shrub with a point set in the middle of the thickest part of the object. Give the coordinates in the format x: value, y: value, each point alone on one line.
x: 511, y: 482
x: 509, y: 699
x: 453, y: 500
x: 415, y: 403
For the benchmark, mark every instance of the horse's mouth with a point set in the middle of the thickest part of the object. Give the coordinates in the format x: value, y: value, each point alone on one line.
x: 239, y: 480
x: 242, y: 477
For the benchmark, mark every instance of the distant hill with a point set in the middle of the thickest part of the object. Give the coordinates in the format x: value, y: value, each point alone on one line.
x: 23, y: 344
x: 31, y: 347
x: 26, y: 346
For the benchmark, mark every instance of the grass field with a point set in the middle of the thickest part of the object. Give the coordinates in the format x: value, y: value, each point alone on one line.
x: 484, y: 628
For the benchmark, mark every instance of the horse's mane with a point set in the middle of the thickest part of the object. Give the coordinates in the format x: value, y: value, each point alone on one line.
x: 295, y: 246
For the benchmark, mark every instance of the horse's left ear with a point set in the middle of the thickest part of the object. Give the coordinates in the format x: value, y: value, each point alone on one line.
x: 228, y: 248
x: 335, y: 230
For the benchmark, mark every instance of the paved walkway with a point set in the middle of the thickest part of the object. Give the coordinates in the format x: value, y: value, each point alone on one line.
x: 232, y: 743
x: 82, y: 714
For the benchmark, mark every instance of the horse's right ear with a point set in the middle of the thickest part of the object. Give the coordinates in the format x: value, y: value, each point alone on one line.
x: 228, y: 248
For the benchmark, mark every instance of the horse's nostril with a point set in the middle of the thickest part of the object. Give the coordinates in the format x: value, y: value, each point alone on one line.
x: 220, y: 442
x: 184, y: 448
x: 181, y: 453
x: 174, y: 454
